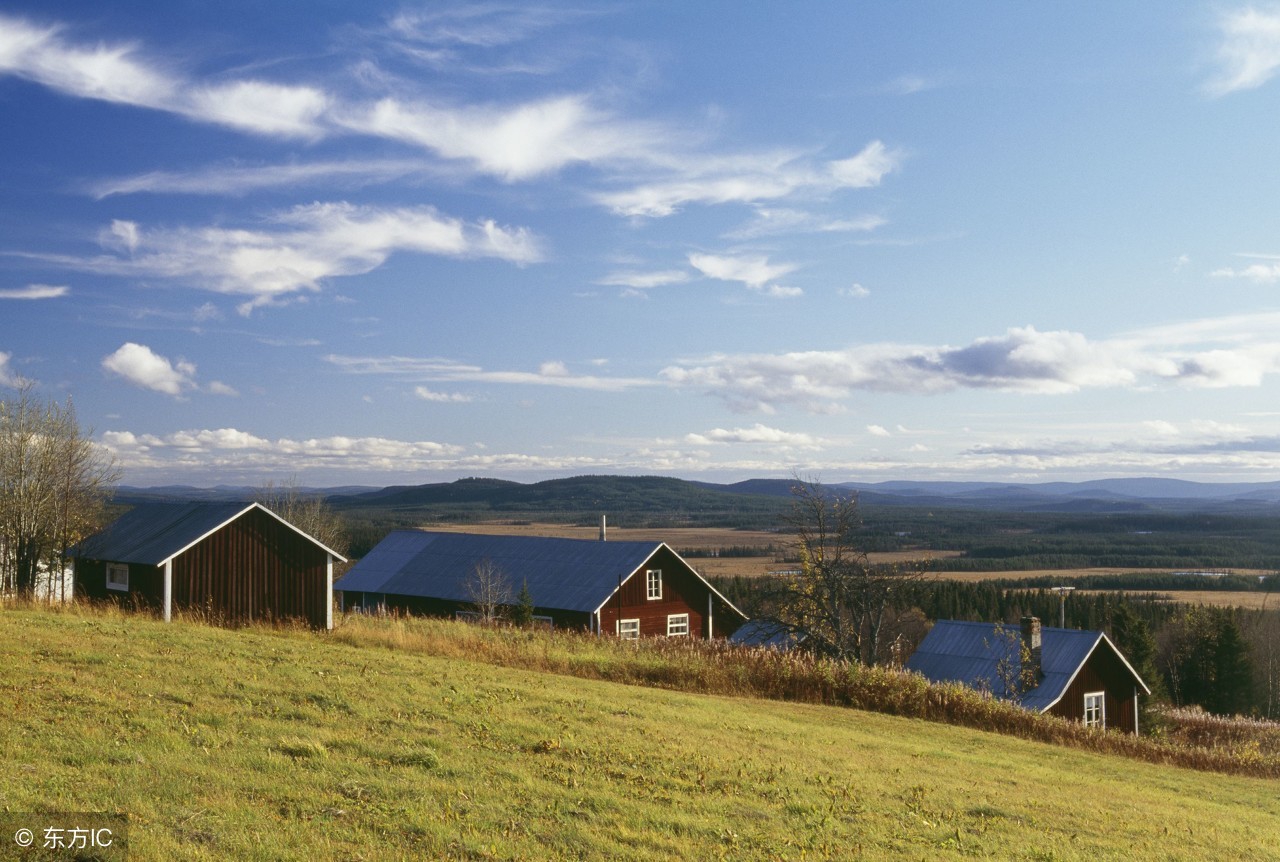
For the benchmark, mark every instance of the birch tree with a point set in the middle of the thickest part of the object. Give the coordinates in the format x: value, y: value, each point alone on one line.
x: 54, y: 483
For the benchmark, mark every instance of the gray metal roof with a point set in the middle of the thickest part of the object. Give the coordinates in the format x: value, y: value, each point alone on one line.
x: 153, y: 533
x: 765, y: 633
x: 562, y: 574
x: 972, y: 653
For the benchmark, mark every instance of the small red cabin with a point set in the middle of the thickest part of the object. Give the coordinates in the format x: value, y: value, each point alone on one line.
x: 238, y: 561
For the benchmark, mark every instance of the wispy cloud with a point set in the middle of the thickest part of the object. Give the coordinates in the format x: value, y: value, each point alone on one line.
x: 754, y: 271
x: 753, y: 179
x: 298, y: 250
x: 1267, y: 272
x: 235, y: 180
x: 34, y: 291
x: 550, y: 373
x: 1248, y: 52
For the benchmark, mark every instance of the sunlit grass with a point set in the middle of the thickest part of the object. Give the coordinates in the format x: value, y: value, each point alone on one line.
x: 286, y: 744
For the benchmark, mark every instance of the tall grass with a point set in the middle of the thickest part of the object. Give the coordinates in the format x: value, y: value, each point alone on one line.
x: 718, y: 668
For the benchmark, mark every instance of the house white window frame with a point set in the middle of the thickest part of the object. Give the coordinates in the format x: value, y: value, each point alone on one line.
x: 1095, y: 702
x: 632, y: 629
x: 677, y: 625
x: 653, y: 584
x: 113, y: 577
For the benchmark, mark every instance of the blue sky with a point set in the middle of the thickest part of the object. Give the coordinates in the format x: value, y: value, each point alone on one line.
x: 384, y: 243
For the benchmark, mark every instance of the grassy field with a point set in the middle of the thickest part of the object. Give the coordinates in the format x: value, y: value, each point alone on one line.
x: 286, y: 744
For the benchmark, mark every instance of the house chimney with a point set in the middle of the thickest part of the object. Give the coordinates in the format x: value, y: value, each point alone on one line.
x: 1032, y: 673
x: 603, y: 527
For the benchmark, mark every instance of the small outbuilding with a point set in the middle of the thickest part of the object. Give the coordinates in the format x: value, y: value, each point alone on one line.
x: 631, y: 589
x: 1078, y: 675
x: 238, y: 561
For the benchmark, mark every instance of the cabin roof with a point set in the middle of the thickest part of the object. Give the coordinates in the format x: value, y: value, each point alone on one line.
x: 154, y: 533
x: 988, y: 656
x: 565, y: 574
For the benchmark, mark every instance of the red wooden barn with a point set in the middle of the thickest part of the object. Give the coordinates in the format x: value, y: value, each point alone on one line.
x: 1079, y: 675
x: 632, y: 589
x: 237, y: 561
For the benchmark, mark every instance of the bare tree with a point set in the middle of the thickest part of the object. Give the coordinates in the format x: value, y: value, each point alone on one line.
x: 841, y: 604
x: 54, y: 483
x: 309, y: 512
x: 489, y: 589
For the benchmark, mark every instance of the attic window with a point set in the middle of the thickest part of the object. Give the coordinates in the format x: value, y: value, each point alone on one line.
x: 653, y: 578
x: 1095, y: 709
x: 118, y: 576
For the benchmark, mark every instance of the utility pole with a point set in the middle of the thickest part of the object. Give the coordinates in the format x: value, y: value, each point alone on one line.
x: 1062, y: 604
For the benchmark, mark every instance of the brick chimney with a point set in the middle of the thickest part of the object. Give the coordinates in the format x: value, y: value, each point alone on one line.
x: 1032, y: 672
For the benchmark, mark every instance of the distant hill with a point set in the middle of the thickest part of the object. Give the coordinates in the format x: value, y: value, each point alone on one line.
x: 753, y: 498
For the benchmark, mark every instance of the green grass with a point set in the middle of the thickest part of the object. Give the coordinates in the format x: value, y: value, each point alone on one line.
x: 284, y: 744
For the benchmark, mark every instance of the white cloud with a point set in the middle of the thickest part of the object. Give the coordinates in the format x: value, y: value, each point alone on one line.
x: 304, y: 246
x: 854, y: 290
x: 142, y: 367
x: 757, y: 433
x: 754, y: 271
x: 512, y: 142
x: 1249, y: 51
x: 441, y: 397
x: 1260, y: 273
x: 109, y: 73
x: 639, y: 282
x: 34, y: 291
x: 217, y: 387
x: 552, y: 373
x: 1022, y: 360
x: 867, y: 168
x: 241, y: 180
x: 750, y: 179
x: 262, y: 108
x: 878, y: 431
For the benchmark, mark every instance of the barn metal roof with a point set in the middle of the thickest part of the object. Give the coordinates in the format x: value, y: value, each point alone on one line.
x: 563, y: 574
x: 154, y: 533
x: 766, y: 633
x: 972, y: 654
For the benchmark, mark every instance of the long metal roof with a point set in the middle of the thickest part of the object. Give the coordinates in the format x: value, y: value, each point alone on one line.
x: 153, y: 533
x: 988, y: 656
x: 563, y: 574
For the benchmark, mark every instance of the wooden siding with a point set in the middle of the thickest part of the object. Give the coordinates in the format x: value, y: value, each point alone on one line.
x: 682, y: 593
x: 254, y: 568
x: 1105, y: 672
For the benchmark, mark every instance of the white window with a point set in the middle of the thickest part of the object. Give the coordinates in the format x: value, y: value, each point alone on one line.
x: 677, y: 624
x: 629, y: 630
x: 653, y: 577
x: 1095, y: 709
x: 547, y: 622
x: 117, y: 576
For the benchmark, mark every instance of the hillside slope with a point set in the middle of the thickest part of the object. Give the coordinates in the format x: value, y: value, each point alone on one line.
x: 262, y: 744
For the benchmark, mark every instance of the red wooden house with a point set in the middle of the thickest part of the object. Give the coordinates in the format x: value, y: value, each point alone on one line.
x: 1079, y: 675
x: 632, y: 589
x: 237, y: 561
